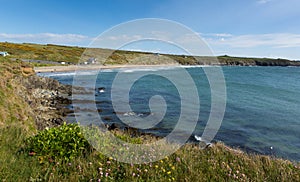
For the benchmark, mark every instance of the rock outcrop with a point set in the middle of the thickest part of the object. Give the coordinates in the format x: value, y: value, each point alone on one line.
x: 47, y: 98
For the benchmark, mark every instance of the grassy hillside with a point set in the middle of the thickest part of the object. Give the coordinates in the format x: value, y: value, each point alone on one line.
x: 70, y: 54
x: 16, y: 122
x: 43, y: 52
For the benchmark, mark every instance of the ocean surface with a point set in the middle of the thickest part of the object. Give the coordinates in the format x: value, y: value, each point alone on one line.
x: 262, y: 108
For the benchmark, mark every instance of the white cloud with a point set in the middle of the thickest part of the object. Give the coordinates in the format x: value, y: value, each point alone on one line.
x: 263, y: 1
x: 284, y: 45
x: 45, y: 38
x: 217, y: 35
x: 276, y: 40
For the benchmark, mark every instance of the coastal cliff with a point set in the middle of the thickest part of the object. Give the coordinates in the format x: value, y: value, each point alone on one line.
x: 40, y: 99
x: 47, y: 98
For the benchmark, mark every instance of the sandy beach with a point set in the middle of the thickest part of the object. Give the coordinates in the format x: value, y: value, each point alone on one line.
x: 93, y: 67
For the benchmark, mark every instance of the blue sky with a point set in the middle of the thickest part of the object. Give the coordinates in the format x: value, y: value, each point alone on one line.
x: 258, y: 28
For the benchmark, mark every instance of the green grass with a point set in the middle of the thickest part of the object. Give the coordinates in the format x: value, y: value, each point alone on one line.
x: 43, y: 52
x: 188, y: 164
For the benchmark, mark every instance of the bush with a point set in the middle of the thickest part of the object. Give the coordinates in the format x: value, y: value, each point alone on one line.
x: 64, y: 142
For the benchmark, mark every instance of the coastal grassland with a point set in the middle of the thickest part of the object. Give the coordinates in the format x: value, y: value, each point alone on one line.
x: 62, y: 154
x: 43, y: 52
x: 16, y: 122
x: 72, y: 55
x: 218, y: 163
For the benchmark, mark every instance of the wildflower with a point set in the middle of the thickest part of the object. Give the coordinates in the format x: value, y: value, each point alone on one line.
x: 133, y: 174
x: 169, y: 172
x: 156, y: 166
x: 146, y: 170
x: 178, y: 159
x: 173, y: 167
x: 106, y: 174
x: 235, y: 176
x: 32, y: 153
x: 108, y: 162
x: 79, y: 168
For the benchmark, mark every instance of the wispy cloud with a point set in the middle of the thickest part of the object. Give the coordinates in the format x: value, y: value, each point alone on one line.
x: 45, y: 38
x: 216, y: 34
x: 276, y: 40
x: 277, y: 44
x: 263, y: 1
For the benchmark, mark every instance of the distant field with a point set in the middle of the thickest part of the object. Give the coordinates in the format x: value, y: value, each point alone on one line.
x: 72, y: 55
x: 43, y: 52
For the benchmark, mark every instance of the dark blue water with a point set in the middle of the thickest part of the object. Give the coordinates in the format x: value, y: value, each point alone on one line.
x: 262, y: 113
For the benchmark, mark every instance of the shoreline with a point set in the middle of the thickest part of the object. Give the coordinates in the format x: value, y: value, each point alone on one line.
x: 95, y: 67
x: 73, y: 68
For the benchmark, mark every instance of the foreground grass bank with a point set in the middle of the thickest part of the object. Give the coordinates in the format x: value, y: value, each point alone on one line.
x: 218, y: 163
x: 51, y: 155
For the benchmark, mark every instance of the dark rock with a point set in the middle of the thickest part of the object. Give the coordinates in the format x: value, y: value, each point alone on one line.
x: 45, y: 96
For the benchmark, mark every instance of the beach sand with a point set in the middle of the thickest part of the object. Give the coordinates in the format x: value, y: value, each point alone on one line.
x: 94, y: 67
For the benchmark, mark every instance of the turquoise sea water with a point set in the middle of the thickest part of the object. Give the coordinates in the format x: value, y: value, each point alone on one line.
x: 262, y: 109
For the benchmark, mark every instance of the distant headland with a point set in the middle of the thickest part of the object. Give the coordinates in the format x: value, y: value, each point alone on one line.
x: 58, y: 55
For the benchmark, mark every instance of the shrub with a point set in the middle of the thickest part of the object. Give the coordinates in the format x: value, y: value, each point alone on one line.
x: 64, y: 142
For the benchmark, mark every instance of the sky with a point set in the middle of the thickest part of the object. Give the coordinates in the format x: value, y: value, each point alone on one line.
x: 253, y: 28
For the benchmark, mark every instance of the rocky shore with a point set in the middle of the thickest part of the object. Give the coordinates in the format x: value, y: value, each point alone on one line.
x: 47, y: 98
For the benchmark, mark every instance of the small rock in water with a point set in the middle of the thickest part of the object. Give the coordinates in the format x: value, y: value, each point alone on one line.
x: 101, y: 89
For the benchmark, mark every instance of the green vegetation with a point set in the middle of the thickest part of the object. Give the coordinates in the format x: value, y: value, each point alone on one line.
x: 65, y: 142
x: 43, y: 52
x: 218, y: 163
x: 73, y: 55
x: 62, y: 154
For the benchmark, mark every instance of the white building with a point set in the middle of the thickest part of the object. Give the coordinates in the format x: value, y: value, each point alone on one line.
x: 4, y: 54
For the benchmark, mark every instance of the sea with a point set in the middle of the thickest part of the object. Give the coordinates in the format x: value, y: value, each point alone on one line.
x: 262, y: 113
